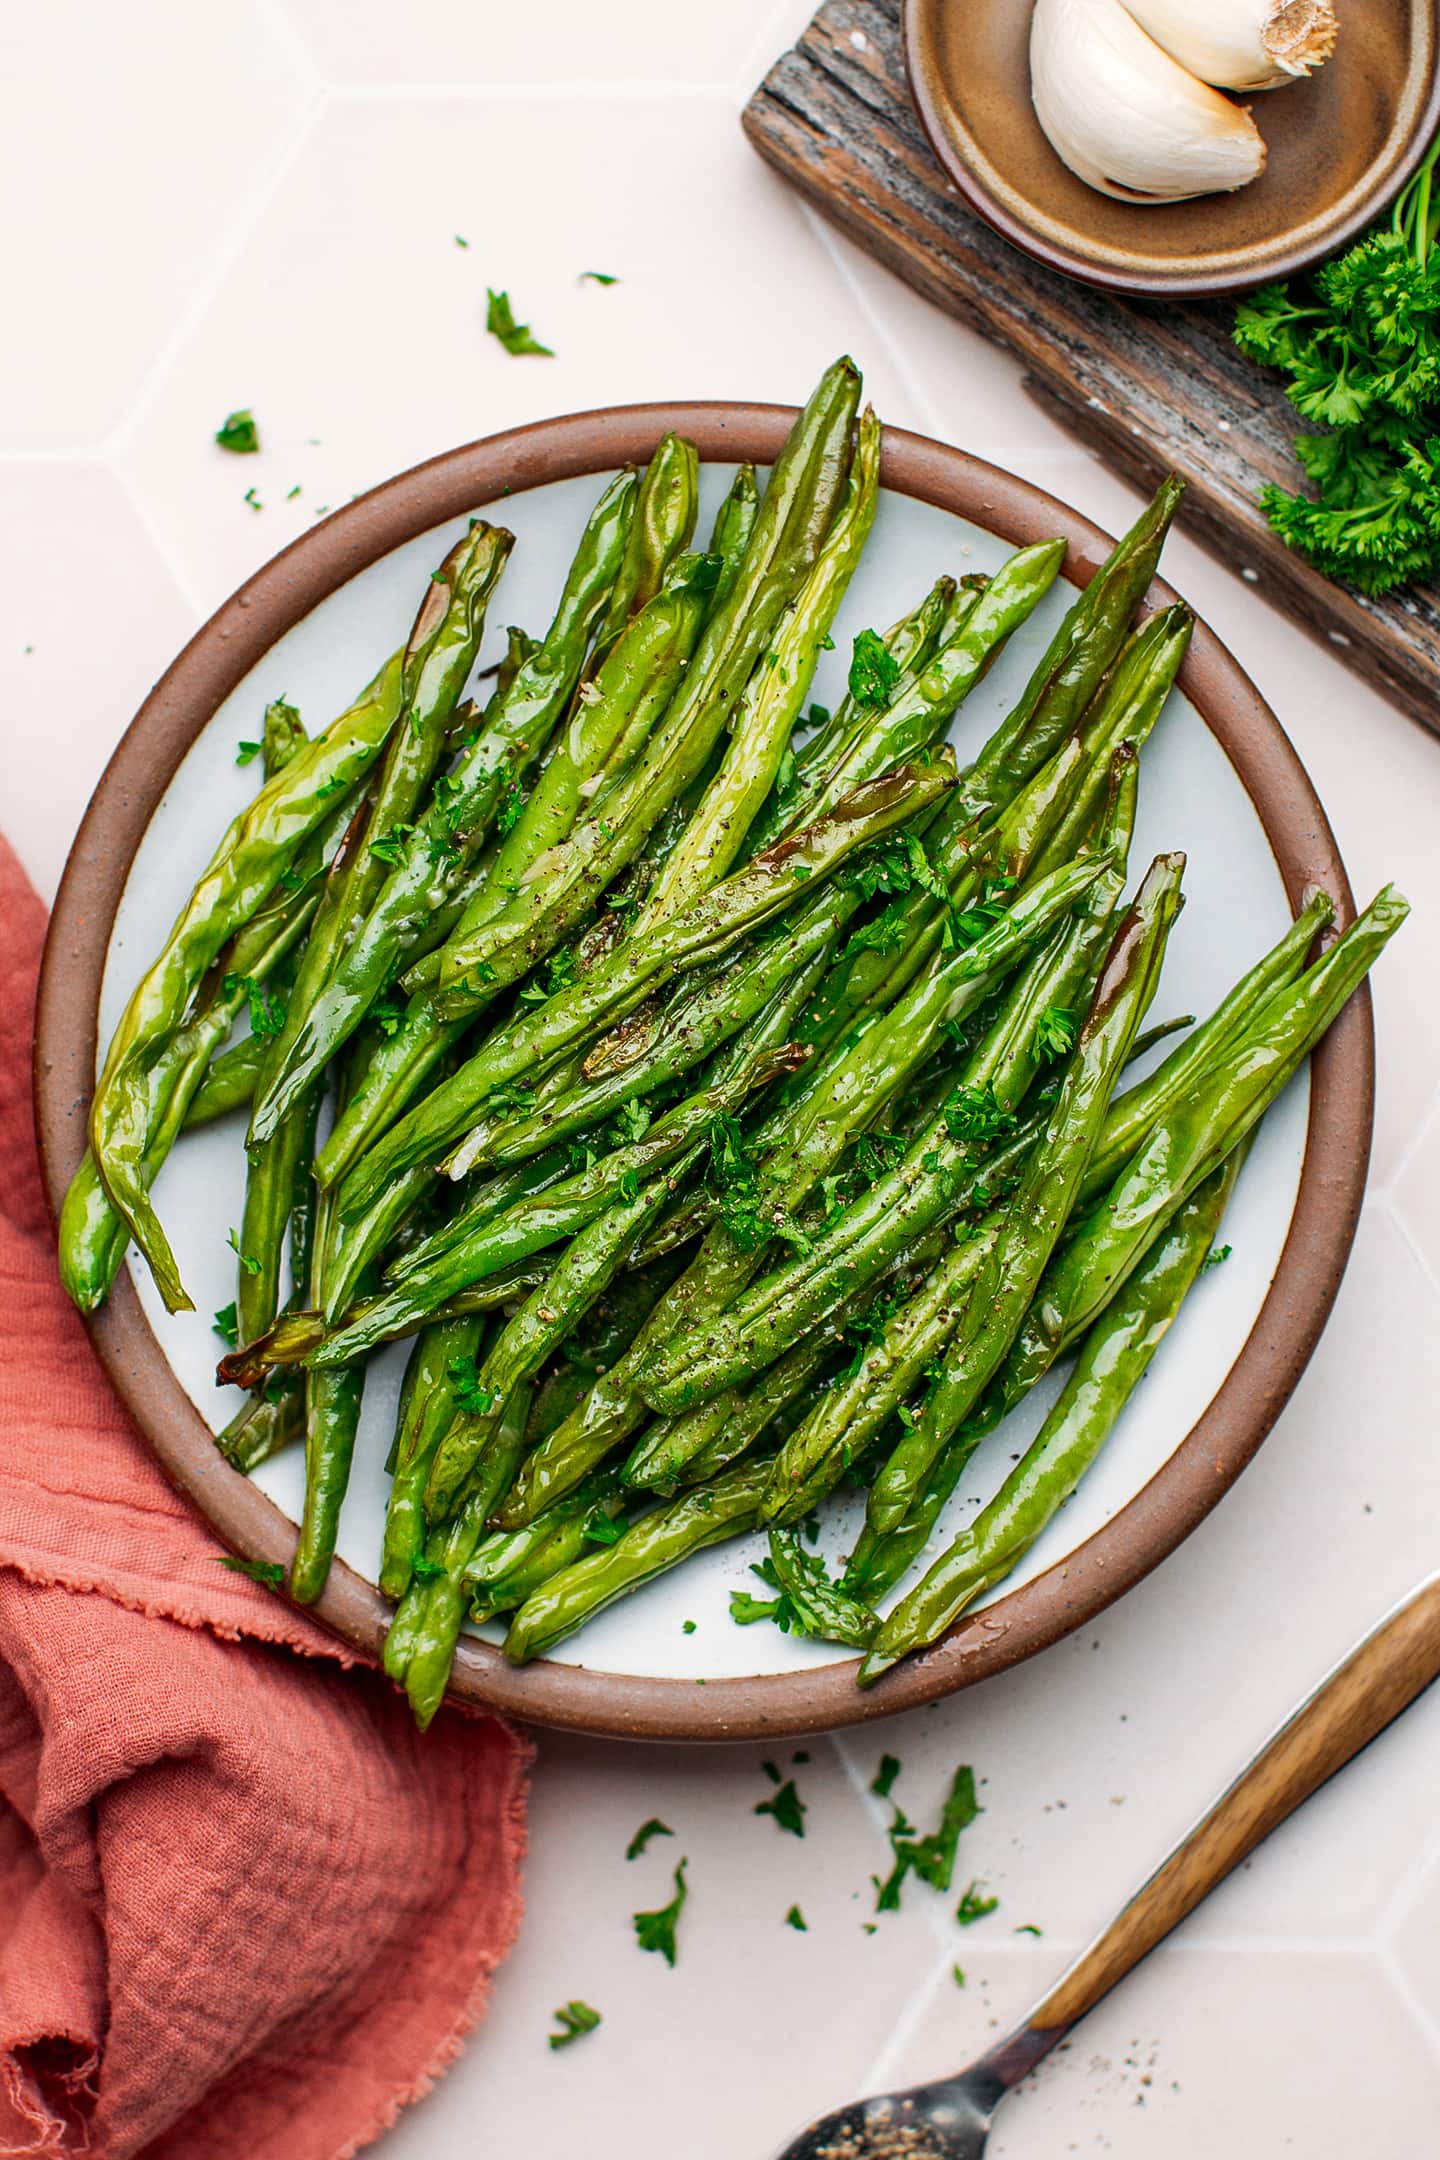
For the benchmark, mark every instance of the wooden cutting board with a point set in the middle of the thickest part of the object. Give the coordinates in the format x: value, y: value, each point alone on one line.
x: 1155, y: 386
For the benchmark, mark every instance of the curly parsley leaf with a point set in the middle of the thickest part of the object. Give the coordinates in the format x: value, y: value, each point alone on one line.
x: 1055, y: 1032
x: 227, y: 1324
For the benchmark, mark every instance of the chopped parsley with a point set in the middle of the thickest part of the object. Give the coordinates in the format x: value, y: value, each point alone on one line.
x: 656, y: 1930
x: 931, y: 1857
x: 424, y: 1569
x: 974, y: 1905
x: 470, y: 1395
x: 512, y: 803
x: 1055, y: 1032
x: 957, y: 1976
x: 1028, y: 1928
x: 246, y: 751
x: 1216, y: 1257
x: 391, y: 844
x: 238, y: 433
x: 885, y: 1776
x: 652, y: 1829
x: 874, y: 670
x: 263, y: 1571
x: 796, y: 1919
x: 250, y: 1265
x: 267, y: 1013
x: 974, y: 1114
x: 602, y: 1529
x: 597, y: 277
x: 253, y: 499
x: 515, y: 337
x: 227, y: 1324
x: 573, y: 2018
x: 461, y: 241
x: 787, y: 1808
x: 387, y: 1013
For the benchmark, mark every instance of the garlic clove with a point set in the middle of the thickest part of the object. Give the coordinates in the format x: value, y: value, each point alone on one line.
x: 1242, y: 44
x: 1127, y: 118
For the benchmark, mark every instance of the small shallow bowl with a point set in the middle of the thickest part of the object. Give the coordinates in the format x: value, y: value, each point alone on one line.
x: 1220, y: 779
x: 1341, y: 145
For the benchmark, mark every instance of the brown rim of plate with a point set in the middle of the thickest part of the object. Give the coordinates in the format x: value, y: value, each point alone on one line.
x: 1204, y: 1464
x: 991, y: 187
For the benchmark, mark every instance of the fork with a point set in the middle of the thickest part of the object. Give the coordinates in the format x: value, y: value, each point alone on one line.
x: 950, y: 2119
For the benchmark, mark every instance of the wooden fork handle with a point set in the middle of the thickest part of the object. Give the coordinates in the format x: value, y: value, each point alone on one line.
x: 1359, y: 1699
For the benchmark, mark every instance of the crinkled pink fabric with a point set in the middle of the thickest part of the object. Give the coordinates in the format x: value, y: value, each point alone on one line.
x: 246, y: 1913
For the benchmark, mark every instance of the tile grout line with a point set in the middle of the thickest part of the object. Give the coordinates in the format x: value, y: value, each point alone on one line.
x: 637, y: 89
x: 879, y: 2073
x: 242, y: 226
x: 829, y: 245
x: 1384, y: 1204
x: 1399, y: 1980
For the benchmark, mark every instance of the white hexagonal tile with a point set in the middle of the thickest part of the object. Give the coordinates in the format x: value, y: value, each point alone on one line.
x: 352, y: 316
x: 1416, y: 1192
x: 757, y: 2023
x: 1098, y: 1755
x: 92, y: 618
x: 1254, y: 2054
x: 135, y: 178
x: 454, y: 43
x: 1415, y: 1950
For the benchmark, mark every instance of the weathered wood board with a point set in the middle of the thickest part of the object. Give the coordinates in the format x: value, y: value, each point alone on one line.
x: 1153, y: 384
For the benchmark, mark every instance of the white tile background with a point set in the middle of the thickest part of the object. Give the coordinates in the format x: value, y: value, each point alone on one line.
x: 257, y: 205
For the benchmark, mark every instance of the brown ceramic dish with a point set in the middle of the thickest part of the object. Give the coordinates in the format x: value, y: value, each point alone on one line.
x: 1341, y: 146
x: 1201, y: 1466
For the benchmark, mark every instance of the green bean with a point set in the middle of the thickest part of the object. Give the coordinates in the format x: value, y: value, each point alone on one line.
x: 852, y: 726
x: 509, y: 1564
x: 770, y: 702
x: 426, y: 1635
x: 395, y: 892
x: 1001, y: 1291
x: 582, y: 1274
x: 662, y: 526
x: 618, y: 984
x: 1016, y: 589
x: 93, y: 1234
x: 696, y: 1446
x: 730, y: 536
x: 1077, y: 658
x: 660, y: 1540
x: 265, y: 1425
x: 715, y: 1350
x: 433, y: 1386
x: 557, y: 1212
x: 794, y: 515
x: 782, y: 963
x: 228, y: 1084
x: 1113, y: 1360
x: 1204, y: 1125
x: 258, y: 849
x: 332, y: 1418
x: 1132, y: 1114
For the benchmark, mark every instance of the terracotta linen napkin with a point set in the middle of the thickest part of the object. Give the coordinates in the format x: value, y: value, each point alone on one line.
x: 244, y: 1909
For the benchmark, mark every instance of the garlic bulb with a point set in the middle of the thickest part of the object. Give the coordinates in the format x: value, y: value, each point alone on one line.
x: 1127, y: 118
x: 1242, y: 44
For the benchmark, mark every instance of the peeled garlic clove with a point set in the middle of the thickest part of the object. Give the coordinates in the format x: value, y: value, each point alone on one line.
x: 1127, y: 118
x: 1242, y: 44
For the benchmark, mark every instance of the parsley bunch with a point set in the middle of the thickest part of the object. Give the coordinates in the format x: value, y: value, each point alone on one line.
x: 1360, y: 344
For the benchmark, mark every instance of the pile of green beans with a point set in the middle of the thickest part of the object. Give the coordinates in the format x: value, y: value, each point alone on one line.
x: 721, y: 1095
